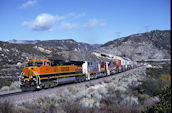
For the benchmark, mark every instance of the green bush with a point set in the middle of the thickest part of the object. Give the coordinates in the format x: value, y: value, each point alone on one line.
x: 164, y: 106
x: 5, y: 82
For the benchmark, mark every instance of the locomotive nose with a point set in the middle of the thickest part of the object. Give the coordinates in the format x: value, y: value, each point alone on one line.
x: 33, y: 70
x: 30, y: 71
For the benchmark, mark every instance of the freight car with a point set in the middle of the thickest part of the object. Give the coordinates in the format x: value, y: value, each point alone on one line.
x: 45, y: 73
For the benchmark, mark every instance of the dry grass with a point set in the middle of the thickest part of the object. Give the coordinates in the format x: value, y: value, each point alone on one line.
x: 7, y: 107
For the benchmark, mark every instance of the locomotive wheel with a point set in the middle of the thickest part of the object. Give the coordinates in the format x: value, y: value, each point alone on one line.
x: 52, y: 84
x: 83, y: 78
x: 79, y: 79
x: 46, y: 85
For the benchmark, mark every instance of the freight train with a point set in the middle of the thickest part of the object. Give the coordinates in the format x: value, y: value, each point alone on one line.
x: 45, y: 73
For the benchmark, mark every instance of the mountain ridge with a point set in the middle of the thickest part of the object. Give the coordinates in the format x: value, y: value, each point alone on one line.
x: 153, y: 44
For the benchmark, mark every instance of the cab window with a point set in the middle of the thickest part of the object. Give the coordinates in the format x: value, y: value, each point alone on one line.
x: 38, y: 64
x: 29, y: 64
x: 47, y: 63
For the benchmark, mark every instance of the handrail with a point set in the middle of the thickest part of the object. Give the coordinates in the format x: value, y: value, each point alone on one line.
x: 38, y: 81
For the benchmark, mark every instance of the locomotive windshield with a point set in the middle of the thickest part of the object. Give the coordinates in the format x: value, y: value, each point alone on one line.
x: 38, y: 64
x: 29, y: 64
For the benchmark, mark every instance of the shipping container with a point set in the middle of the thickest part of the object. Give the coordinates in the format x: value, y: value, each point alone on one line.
x: 117, y: 62
x: 93, y: 66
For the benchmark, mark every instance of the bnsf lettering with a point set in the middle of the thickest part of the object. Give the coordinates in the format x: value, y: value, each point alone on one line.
x: 55, y: 70
x: 64, y: 68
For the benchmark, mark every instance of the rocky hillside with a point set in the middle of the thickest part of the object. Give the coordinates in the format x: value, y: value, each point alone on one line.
x: 13, y: 53
x: 68, y: 49
x: 149, y: 45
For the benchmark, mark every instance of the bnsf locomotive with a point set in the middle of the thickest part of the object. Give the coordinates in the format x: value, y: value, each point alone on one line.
x: 45, y: 73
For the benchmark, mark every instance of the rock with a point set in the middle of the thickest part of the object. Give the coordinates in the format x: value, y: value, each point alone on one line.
x: 156, y: 99
x: 97, y: 96
x: 130, y: 100
x: 14, y: 85
x: 5, y: 88
x: 19, y: 64
x: 87, y: 102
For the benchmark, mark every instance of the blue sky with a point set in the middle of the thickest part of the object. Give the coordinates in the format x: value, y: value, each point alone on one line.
x: 90, y: 21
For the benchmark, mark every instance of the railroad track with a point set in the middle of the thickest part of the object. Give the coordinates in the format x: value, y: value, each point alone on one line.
x: 19, y: 96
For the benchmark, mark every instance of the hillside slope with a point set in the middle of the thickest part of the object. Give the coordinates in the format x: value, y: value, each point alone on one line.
x: 150, y: 45
x: 12, y: 53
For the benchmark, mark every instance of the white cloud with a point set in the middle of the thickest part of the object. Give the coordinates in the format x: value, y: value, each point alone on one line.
x: 74, y: 15
x: 42, y: 22
x: 65, y: 25
x: 77, y: 15
x: 45, y: 22
x: 94, y: 23
x: 80, y: 15
x: 28, y: 3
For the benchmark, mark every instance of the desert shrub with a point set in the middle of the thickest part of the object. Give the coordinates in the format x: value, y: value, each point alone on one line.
x: 111, y: 89
x: 152, y: 87
x: 42, y: 105
x: 166, y: 77
x: 110, y: 105
x: 154, y: 72
x: 142, y: 97
x: 75, y: 107
x: 7, y: 107
x: 5, y: 82
x: 157, y: 72
x: 118, y: 109
x: 164, y: 106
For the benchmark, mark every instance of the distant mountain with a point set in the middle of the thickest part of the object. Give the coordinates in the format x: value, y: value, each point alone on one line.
x: 23, y: 41
x: 96, y: 45
x: 150, y: 45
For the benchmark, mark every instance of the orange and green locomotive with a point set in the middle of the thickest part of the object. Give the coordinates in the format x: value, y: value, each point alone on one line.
x: 46, y: 73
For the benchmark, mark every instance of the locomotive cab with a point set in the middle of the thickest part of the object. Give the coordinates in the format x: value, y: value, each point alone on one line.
x: 30, y: 73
